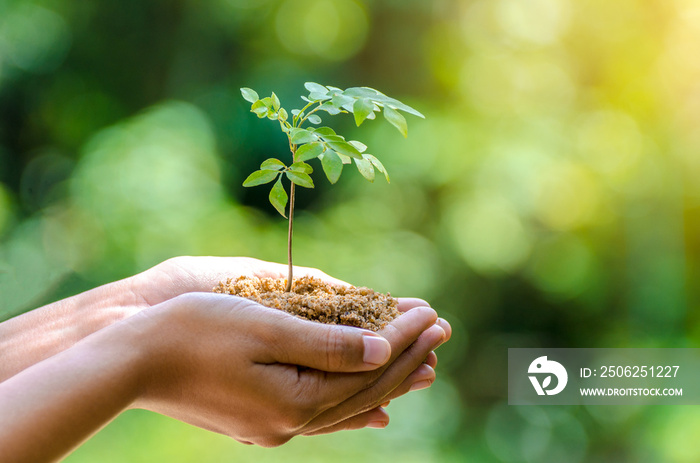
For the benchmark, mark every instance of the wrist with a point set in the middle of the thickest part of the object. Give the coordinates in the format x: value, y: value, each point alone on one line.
x: 41, y: 333
x: 131, y: 346
x: 101, y: 307
x: 156, y: 334
x: 49, y: 408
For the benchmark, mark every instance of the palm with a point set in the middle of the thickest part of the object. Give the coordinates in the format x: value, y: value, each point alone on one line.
x: 200, y: 274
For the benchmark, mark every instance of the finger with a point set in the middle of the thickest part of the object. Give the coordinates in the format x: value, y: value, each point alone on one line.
x: 404, y: 330
x: 376, y: 418
x: 408, y: 303
x: 332, y: 389
x: 421, y: 378
x: 337, y: 348
x: 393, y: 377
x: 328, y: 348
x: 425, y: 372
x: 431, y: 360
x: 446, y: 327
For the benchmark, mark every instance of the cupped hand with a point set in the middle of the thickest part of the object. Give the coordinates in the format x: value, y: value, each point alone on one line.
x: 187, y: 274
x: 263, y: 376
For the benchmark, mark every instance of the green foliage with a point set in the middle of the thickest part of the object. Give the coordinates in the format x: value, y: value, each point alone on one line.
x: 278, y: 197
x: 309, y: 142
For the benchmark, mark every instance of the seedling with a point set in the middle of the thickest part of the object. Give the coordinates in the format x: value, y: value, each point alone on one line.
x: 315, y: 141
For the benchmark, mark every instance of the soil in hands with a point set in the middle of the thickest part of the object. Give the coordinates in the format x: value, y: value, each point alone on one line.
x: 317, y: 300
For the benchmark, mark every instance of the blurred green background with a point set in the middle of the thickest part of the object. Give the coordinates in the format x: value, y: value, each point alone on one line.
x: 550, y: 199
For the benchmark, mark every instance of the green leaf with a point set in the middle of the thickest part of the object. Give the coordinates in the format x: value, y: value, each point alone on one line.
x: 301, y: 167
x: 361, y: 147
x: 309, y: 151
x: 378, y: 165
x: 283, y: 114
x: 272, y: 164
x: 260, y: 177
x: 332, y: 165
x: 267, y: 101
x: 396, y: 119
x: 365, y: 168
x: 300, y: 136
x: 340, y: 100
x: 319, y: 96
x: 345, y: 159
x: 278, y: 197
x: 300, y: 178
x: 324, y: 131
x: 361, y: 92
x: 338, y: 138
x: 329, y: 108
x: 362, y: 108
x: 295, y: 112
x: 379, y: 97
x: 249, y: 94
x: 313, y: 87
x: 275, y: 101
x: 314, y: 119
x: 259, y: 108
x: 398, y: 105
x: 344, y: 148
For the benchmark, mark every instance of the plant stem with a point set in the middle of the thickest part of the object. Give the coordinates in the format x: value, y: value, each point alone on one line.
x: 296, y: 122
x: 306, y: 116
x: 293, y: 149
x: 289, y: 238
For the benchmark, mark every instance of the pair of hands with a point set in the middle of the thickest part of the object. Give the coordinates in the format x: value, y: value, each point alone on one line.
x: 263, y: 376
x: 162, y: 341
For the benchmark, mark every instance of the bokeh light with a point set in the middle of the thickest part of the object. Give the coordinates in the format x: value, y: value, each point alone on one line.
x: 33, y: 38
x: 331, y: 29
x: 549, y: 198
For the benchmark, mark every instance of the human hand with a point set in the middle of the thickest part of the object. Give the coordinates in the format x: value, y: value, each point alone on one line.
x: 232, y: 366
x: 64, y: 323
x: 187, y: 274
x: 181, y: 275
x: 217, y: 361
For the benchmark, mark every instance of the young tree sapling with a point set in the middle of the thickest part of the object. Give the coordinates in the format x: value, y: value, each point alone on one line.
x: 316, y: 141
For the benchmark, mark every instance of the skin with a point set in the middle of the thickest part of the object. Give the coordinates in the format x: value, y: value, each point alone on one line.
x: 156, y: 341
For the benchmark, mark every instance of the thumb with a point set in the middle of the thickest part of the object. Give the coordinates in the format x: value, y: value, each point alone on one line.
x: 332, y: 348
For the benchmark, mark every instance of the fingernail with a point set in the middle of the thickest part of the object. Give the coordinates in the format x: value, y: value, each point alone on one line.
x: 377, y: 350
x: 385, y: 404
x: 438, y: 328
x: 420, y: 385
x: 377, y: 424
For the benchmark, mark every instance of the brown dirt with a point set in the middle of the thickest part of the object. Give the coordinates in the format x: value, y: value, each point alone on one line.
x: 316, y: 300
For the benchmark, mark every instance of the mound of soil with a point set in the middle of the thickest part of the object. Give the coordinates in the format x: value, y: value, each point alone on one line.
x: 317, y: 300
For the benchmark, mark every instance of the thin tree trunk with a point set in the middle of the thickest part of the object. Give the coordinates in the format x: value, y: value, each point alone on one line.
x: 289, y: 238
